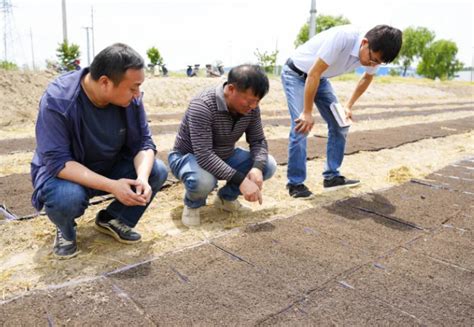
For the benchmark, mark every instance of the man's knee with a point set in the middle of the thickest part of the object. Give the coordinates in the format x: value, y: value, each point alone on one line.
x: 67, y: 199
x: 200, y: 183
x: 297, y: 138
x: 270, y: 167
x: 338, y: 131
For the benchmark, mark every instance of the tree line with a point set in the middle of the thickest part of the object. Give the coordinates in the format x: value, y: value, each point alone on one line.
x: 433, y: 58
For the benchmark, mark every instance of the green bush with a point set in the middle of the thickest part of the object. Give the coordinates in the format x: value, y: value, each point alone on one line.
x: 439, y: 60
x: 8, y: 65
x: 266, y: 60
x: 67, y: 54
x: 323, y: 22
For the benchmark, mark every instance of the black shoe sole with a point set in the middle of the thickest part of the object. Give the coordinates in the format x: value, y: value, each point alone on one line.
x: 307, y: 197
x: 339, y: 187
x: 65, y: 257
x: 109, y: 232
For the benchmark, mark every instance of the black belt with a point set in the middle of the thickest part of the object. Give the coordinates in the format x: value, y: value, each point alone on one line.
x: 292, y: 66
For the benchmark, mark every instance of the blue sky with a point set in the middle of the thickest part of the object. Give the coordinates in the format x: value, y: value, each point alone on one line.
x: 189, y: 32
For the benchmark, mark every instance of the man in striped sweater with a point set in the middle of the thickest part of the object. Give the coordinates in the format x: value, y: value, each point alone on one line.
x: 204, y: 150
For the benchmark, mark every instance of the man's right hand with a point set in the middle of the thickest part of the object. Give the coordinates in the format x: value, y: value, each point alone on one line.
x: 122, y: 190
x: 304, y: 123
x: 250, y: 191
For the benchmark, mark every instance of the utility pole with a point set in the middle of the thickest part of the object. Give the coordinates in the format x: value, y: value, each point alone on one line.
x: 64, y: 21
x: 87, y: 28
x: 312, y: 19
x: 6, y: 8
x: 275, y: 68
x: 93, y: 31
x: 32, y: 50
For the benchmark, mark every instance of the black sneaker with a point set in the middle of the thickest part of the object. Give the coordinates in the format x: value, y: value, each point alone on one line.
x: 339, y: 182
x: 62, y: 248
x: 299, y: 191
x: 109, y: 225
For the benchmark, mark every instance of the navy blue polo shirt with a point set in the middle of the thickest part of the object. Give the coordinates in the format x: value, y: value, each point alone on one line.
x: 104, y: 133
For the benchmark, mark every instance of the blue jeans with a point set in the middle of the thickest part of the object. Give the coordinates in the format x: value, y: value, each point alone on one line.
x: 65, y: 201
x: 293, y: 85
x: 199, y: 183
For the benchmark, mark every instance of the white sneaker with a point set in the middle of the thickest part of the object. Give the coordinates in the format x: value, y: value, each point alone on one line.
x: 191, y: 217
x: 230, y: 206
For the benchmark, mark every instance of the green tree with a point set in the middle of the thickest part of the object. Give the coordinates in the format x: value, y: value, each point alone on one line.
x: 323, y: 22
x: 415, y: 41
x: 67, y: 54
x: 394, y: 72
x: 266, y: 60
x: 155, y: 57
x: 8, y: 65
x: 439, y: 60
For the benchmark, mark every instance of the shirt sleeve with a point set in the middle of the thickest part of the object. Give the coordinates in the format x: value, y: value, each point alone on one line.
x: 146, y: 136
x: 53, y: 139
x: 200, y: 130
x: 331, y: 48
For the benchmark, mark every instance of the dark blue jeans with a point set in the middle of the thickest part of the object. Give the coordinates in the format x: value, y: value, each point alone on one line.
x: 294, y: 85
x: 65, y: 201
x: 199, y: 182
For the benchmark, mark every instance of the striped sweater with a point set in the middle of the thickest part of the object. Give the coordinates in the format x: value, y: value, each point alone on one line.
x: 210, y: 132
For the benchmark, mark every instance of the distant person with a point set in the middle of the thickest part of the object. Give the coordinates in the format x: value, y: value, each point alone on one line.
x: 204, y: 150
x: 189, y: 71
x: 212, y: 71
x: 305, y: 81
x: 164, y: 70
x: 93, y: 138
x: 77, y: 64
x: 220, y: 69
x: 195, y: 71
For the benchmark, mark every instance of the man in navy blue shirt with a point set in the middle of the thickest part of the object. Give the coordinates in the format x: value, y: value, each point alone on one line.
x: 93, y: 138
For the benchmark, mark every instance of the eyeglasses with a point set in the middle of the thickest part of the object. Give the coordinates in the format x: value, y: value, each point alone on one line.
x: 372, y: 61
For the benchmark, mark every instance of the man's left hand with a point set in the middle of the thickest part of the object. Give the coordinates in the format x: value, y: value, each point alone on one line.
x: 256, y: 176
x: 348, y: 114
x: 143, y: 189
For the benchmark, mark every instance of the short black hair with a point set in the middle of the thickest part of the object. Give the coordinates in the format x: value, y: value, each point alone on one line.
x: 114, y: 61
x: 387, y: 40
x: 247, y: 76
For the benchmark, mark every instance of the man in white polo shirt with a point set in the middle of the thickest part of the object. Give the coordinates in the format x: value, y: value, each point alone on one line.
x: 305, y: 76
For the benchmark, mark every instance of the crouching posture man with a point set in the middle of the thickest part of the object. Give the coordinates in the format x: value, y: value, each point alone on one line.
x: 204, y: 151
x: 93, y: 138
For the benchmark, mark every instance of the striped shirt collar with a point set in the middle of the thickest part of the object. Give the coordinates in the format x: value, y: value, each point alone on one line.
x: 220, y: 99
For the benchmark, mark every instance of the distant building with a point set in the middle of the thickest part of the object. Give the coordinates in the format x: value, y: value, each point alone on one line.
x: 464, y: 75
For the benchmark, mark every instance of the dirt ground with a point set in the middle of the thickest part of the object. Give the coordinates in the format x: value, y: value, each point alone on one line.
x: 26, y: 262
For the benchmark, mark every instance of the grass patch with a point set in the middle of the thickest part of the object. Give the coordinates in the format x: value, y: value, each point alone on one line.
x: 346, y: 77
x: 402, y: 80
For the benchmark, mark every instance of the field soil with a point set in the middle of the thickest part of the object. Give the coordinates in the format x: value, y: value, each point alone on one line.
x: 403, y: 131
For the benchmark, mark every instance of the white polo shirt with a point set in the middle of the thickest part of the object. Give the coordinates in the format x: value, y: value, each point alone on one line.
x: 338, y: 47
